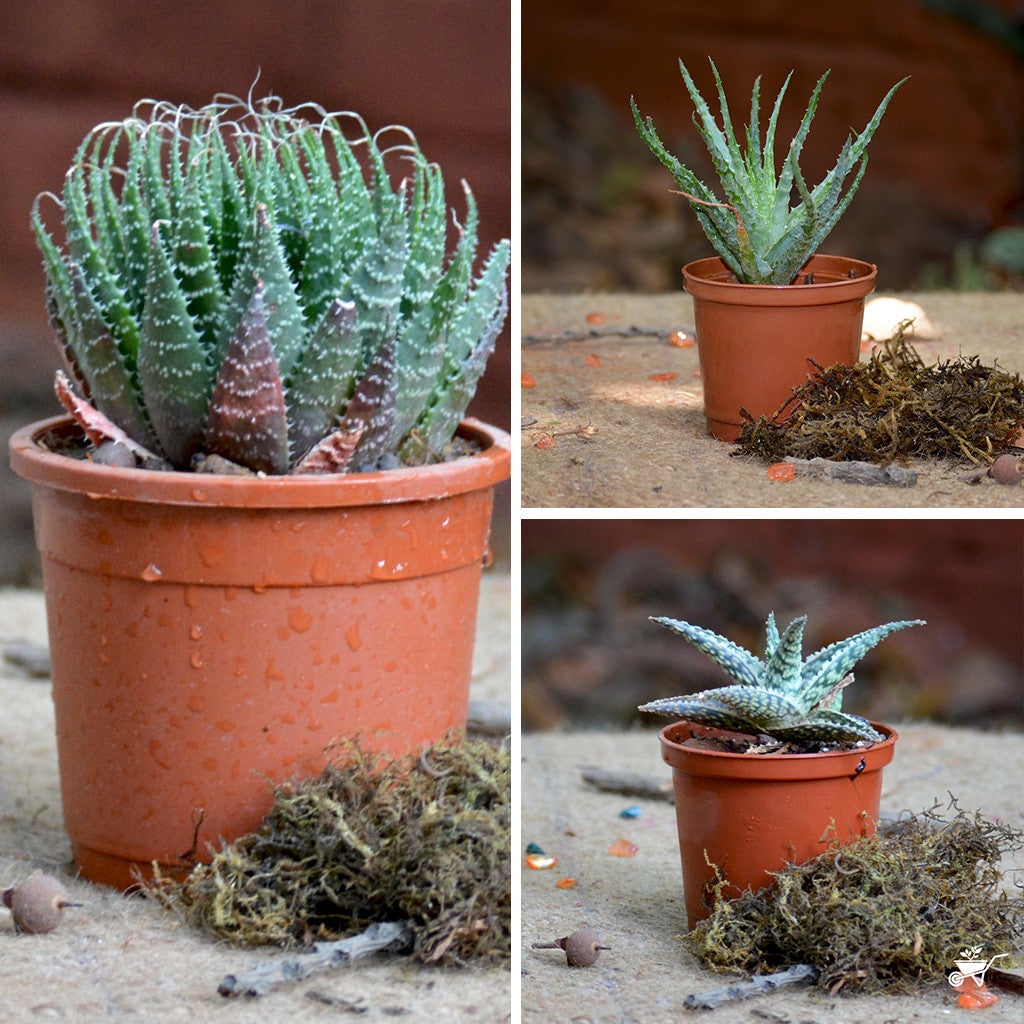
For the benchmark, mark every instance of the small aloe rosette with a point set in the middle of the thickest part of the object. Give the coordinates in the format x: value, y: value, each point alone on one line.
x: 784, y: 695
x: 272, y: 286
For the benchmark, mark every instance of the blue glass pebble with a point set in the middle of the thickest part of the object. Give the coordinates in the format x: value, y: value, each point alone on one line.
x: 630, y: 812
x: 534, y: 848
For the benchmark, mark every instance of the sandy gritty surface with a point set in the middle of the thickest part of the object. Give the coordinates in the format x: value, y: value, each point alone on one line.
x: 636, y: 904
x: 650, y: 449
x: 124, y: 959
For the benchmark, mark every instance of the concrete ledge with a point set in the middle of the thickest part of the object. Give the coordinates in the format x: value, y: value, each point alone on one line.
x: 650, y: 449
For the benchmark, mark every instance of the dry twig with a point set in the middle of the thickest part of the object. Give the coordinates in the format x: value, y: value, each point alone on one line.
x: 758, y: 985
x: 385, y: 936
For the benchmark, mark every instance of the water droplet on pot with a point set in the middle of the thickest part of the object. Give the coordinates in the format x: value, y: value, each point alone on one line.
x: 352, y: 638
x: 198, y: 494
x: 320, y: 572
x: 191, y: 597
x: 196, y: 632
x: 151, y: 574
x: 488, y: 557
x: 196, y: 660
x: 299, y: 619
x: 211, y: 555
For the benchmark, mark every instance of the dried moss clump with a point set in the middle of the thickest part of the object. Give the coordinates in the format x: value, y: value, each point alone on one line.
x: 427, y: 840
x: 893, y: 408
x: 884, y: 913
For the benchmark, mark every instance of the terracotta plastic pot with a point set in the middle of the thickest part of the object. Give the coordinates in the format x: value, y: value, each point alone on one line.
x: 212, y: 635
x: 749, y: 814
x: 757, y: 342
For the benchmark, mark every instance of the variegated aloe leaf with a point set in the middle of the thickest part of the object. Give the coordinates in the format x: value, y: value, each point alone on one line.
x: 752, y: 707
x: 782, y: 669
x: 747, y: 669
x: 174, y: 371
x: 823, y: 670
x: 829, y: 726
x: 322, y: 379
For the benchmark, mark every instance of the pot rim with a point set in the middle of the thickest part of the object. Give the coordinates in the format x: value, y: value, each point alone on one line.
x: 727, y: 764
x: 703, y: 279
x: 416, y: 483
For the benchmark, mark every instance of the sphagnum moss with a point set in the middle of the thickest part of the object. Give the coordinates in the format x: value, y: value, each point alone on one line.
x: 884, y: 913
x: 424, y: 839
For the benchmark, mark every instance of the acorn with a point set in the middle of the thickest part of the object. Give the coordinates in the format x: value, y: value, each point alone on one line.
x: 37, y: 903
x: 582, y: 947
x: 1005, y: 469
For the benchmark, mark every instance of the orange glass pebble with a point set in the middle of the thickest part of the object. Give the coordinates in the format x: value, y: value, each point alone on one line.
x: 681, y: 339
x: 540, y: 861
x: 547, y: 441
x: 596, y: 318
x: 622, y: 848
x: 566, y: 883
x: 974, y: 995
x: 661, y: 376
x: 527, y: 381
x: 592, y: 360
x: 781, y: 471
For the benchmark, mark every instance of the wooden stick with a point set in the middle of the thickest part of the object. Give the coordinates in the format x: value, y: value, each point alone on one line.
x: 855, y: 472
x: 385, y: 936
x: 606, y: 332
x: 758, y: 985
x: 629, y: 784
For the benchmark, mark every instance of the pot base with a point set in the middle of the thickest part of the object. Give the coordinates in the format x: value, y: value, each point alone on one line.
x: 118, y: 872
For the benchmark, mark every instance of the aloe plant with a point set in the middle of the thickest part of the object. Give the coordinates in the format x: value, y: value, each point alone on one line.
x: 761, y: 236
x: 249, y: 281
x: 784, y: 695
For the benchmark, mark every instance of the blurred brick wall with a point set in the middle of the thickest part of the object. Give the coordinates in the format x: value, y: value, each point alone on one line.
x: 441, y: 67
x: 952, y: 140
x: 969, y: 572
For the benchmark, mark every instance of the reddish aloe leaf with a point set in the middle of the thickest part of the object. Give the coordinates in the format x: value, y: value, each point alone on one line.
x: 246, y: 421
x: 371, y: 409
x: 330, y: 455
x: 96, y: 427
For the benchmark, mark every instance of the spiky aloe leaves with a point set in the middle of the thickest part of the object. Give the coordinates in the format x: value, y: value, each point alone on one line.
x: 783, y: 695
x: 761, y: 236
x: 370, y: 344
